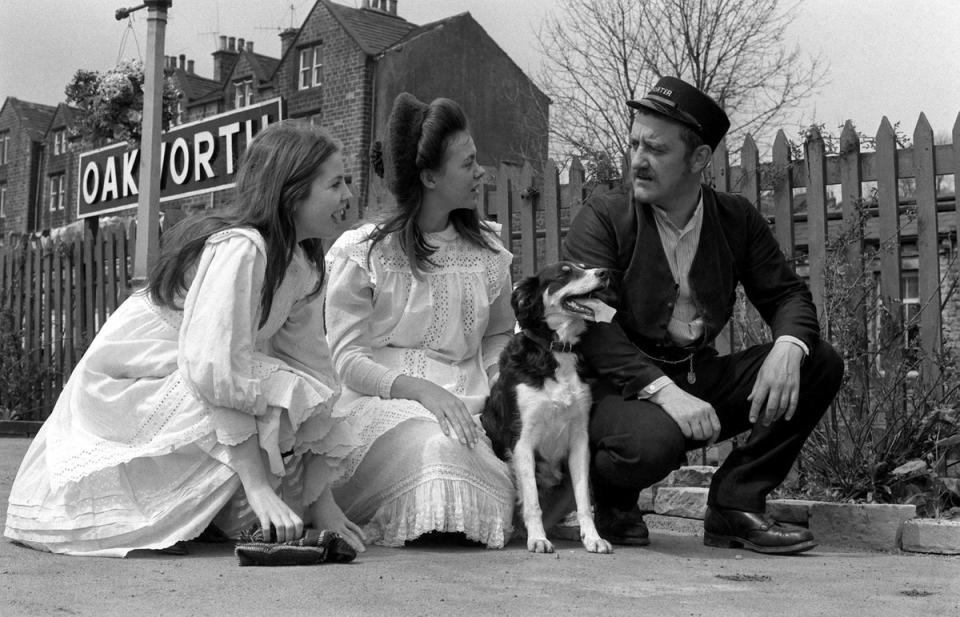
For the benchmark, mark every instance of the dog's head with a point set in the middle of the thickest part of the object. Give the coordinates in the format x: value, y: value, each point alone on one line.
x: 559, y: 298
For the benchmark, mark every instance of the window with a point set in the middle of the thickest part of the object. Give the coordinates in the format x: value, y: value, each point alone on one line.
x: 4, y: 147
x: 910, y: 296
x: 244, y: 93
x: 3, y: 199
x: 60, y: 142
x: 311, y: 67
x: 56, y: 192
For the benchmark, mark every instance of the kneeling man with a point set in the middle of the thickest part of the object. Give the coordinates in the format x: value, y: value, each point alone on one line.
x: 679, y: 249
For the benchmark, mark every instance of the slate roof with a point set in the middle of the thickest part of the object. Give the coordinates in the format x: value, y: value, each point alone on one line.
x: 263, y: 66
x: 35, y: 117
x: 194, y: 86
x: 373, y: 30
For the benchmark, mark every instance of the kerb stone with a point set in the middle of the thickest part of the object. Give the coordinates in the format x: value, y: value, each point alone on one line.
x: 927, y: 535
x: 688, y: 502
x: 795, y: 511
x: 872, y: 526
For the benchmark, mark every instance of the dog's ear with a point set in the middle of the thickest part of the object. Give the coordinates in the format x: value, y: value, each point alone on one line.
x: 526, y: 299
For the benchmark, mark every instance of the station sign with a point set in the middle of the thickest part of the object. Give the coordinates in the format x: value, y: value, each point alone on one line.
x: 196, y: 157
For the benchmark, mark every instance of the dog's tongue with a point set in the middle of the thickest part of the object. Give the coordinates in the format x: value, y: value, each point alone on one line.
x: 602, y: 312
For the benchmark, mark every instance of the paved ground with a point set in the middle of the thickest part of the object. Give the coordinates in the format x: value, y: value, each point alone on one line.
x: 676, y: 575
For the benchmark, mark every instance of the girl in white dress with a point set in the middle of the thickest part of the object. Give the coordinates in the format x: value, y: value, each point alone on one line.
x: 207, y: 397
x: 418, y: 309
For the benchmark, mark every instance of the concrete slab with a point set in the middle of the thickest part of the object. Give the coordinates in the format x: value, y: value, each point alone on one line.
x: 873, y: 526
x: 923, y: 535
x: 675, y: 575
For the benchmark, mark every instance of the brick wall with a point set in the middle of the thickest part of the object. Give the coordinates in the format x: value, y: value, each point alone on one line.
x: 342, y: 103
x: 15, y: 173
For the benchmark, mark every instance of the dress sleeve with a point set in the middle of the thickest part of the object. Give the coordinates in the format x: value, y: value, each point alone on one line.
x: 220, y: 316
x: 349, y: 306
x: 301, y: 341
x: 501, y: 324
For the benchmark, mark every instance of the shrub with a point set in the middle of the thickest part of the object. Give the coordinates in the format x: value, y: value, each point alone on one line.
x: 21, y: 375
x: 891, y: 435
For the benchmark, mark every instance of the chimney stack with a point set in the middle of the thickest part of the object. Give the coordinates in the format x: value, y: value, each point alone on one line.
x: 241, y: 44
x: 286, y: 40
x: 190, y: 66
x: 183, y: 61
x: 225, y: 58
x: 393, y: 6
x: 250, y: 46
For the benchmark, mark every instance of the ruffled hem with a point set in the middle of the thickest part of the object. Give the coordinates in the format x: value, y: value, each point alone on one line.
x: 442, y: 505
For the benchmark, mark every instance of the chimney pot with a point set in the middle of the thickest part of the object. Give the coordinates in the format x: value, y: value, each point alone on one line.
x: 183, y: 61
x: 250, y: 46
x: 240, y: 45
x: 190, y: 66
x: 223, y: 42
x: 233, y: 43
x: 393, y: 7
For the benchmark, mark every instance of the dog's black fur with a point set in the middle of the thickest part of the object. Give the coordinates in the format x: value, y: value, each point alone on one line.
x: 539, y: 371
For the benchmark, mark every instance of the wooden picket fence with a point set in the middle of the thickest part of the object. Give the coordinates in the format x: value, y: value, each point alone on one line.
x: 539, y: 209
x: 57, y: 292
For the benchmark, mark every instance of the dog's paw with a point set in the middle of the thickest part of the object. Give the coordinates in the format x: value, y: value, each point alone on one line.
x: 596, y: 544
x: 539, y: 545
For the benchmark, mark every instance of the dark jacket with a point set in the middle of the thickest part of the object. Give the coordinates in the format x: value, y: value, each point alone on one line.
x: 736, y: 246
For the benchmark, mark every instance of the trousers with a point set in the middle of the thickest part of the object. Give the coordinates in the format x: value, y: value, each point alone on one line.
x: 635, y: 443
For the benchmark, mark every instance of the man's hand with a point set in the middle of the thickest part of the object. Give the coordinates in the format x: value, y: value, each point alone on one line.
x: 695, y: 417
x: 777, y: 389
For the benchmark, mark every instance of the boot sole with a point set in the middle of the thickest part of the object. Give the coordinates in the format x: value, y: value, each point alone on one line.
x: 721, y: 541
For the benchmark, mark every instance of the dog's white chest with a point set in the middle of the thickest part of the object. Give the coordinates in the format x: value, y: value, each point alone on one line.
x: 549, y: 415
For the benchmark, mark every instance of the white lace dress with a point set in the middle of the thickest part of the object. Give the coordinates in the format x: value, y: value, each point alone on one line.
x: 134, y: 454
x: 408, y: 478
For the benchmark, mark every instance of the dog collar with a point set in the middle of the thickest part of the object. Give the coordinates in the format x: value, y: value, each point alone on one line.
x: 561, y: 346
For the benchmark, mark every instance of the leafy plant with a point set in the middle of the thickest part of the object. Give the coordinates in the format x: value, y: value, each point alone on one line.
x: 111, y: 103
x: 888, y: 435
x: 21, y: 375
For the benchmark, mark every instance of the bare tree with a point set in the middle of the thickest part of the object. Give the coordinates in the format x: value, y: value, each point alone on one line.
x: 600, y: 53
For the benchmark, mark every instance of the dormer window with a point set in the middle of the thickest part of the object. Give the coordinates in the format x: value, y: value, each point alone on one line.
x: 311, y: 67
x: 59, y: 142
x: 244, y: 93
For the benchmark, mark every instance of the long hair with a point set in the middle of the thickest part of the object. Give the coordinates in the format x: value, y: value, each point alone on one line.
x: 419, y: 136
x: 274, y: 176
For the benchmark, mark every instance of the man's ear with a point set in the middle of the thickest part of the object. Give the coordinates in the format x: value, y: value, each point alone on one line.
x: 700, y: 158
x: 428, y: 177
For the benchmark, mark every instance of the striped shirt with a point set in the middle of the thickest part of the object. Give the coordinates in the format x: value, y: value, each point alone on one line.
x: 680, y: 247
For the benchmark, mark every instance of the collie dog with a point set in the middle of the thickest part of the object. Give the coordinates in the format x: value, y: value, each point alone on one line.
x: 539, y: 408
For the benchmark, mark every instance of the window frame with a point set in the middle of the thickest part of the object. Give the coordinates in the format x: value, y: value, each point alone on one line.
x: 4, y: 147
x: 57, y: 192
x: 243, y: 93
x: 310, y: 74
x: 3, y: 200
x: 59, y: 142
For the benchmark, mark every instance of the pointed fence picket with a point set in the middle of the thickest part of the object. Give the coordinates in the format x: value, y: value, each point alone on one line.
x: 58, y: 292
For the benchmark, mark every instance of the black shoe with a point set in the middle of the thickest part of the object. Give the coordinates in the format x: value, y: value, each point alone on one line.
x: 754, y: 531
x: 624, y: 527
